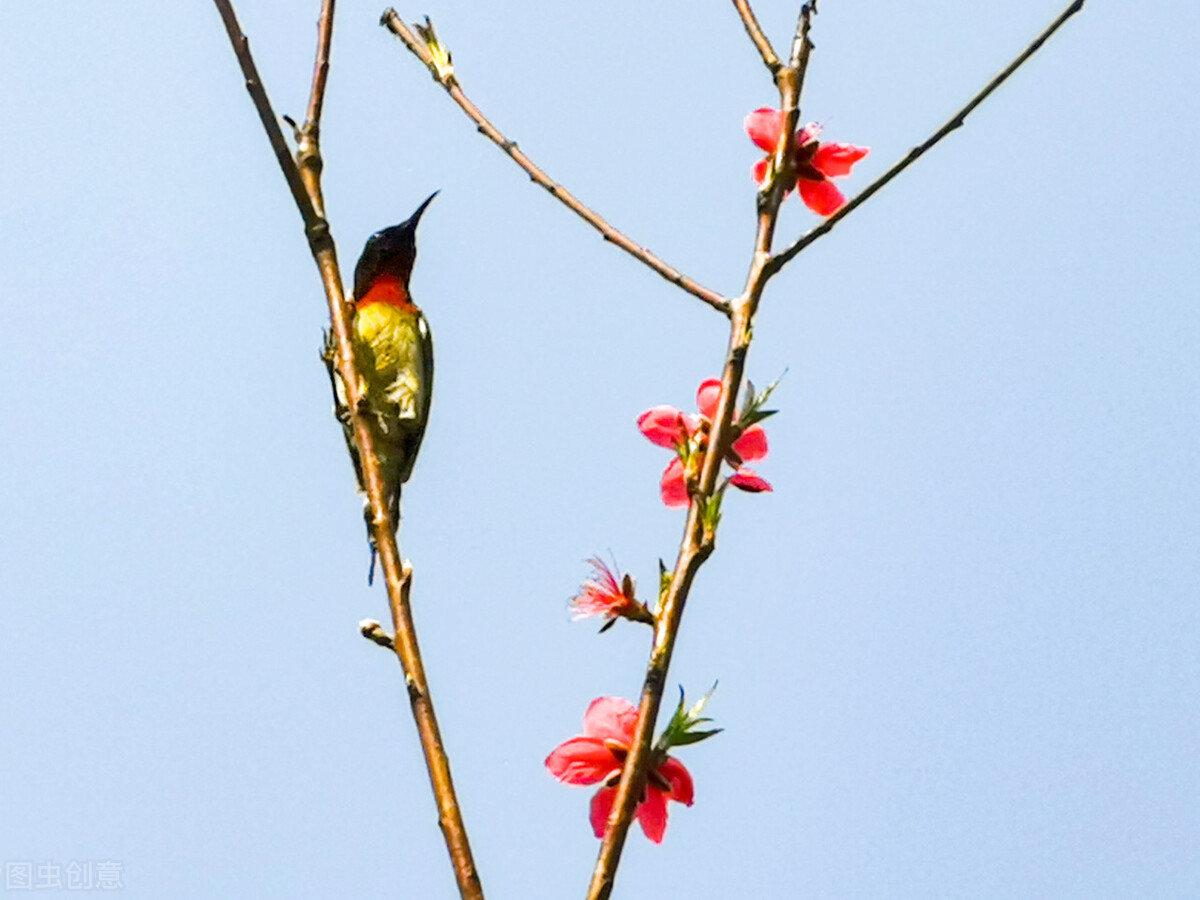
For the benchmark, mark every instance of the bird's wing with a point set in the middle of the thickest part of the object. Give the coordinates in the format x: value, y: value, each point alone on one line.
x: 425, y: 398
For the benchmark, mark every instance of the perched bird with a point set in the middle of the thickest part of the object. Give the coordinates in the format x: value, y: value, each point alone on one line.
x: 394, y: 351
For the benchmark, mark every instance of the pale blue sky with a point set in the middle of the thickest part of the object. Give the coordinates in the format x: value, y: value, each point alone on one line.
x: 959, y: 645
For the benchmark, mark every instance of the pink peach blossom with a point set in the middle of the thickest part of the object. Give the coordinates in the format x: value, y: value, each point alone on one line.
x: 597, y: 757
x: 609, y: 595
x: 816, y: 163
x: 667, y: 426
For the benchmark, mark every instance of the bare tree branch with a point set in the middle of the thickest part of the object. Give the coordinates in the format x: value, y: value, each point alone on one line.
x: 304, y: 182
x: 956, y: 121
x: 308, y: 136
x: 314, y: 224
x: 443, y: 74
x: 316, y: 97
x: 801, y: 45
x: 760, y: 41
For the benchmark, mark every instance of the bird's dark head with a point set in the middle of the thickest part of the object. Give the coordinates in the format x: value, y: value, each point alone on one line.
x: 391, y: 252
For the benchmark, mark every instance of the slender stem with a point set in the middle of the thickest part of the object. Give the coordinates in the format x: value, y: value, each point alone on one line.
x: 316, y: 98
x: 444, y: 75
x: 313, y: 223
x: 308, y: 136
x: 801, y: 45
x: 754, y: 30
x: 397, y: 577
x: 699, y: 537
x: 954, y: 122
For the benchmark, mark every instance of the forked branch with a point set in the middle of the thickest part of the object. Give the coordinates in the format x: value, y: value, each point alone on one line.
x: 954, y: 122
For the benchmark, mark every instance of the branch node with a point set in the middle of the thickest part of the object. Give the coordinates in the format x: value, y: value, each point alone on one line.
x: 317, y: 232
x: 414, y: 690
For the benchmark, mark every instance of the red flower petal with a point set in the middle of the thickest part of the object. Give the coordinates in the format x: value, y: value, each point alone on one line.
x: 610, y: 719
x: 807, y: 134
x: 652, y: 813
x: 691, y: 423
x: 707, y: 397
x: 582, y: 760
x: 602, y: 805
x: 759, y: 170
x: 601, y: 595
x: 822, y: 197
x: 836, y: 160
x: 749, y: 480
x: 604, y: 580
x: 663, y: 425
x: 765, y: 126
x: 680, y: 780
x: 673, y: 486
x: 752, y: 445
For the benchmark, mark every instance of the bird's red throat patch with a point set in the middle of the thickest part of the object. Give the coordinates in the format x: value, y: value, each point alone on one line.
x: 386, y: 289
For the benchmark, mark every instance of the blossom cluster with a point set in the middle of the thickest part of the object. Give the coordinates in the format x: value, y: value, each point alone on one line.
x: 597, y: 756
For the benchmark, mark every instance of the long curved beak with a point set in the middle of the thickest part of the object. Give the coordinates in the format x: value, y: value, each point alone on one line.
x: 416, y: 217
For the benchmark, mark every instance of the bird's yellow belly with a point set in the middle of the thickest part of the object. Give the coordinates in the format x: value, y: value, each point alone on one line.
x: 388, y: 345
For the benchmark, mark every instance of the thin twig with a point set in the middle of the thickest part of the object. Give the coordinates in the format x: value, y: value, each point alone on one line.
x: 316, y: 97
x: 761, y: 43
x: 398, y: 577
x: 373, y: 631
x: 699, y: 536
x: 313, y: 222
x: 308, y: 136
x: 801, y: 45
x: 956, y: 121
x: 444, y: 75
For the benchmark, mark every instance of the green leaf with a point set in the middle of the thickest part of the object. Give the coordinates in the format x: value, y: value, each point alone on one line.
x: 754, y: 417
x: 695, y: 737
x: 752, y: 409
x: 710, y: 517
x: 683, y: 729
x: 698, y: 708
x: 664, y: 582
x: 748, y: 402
